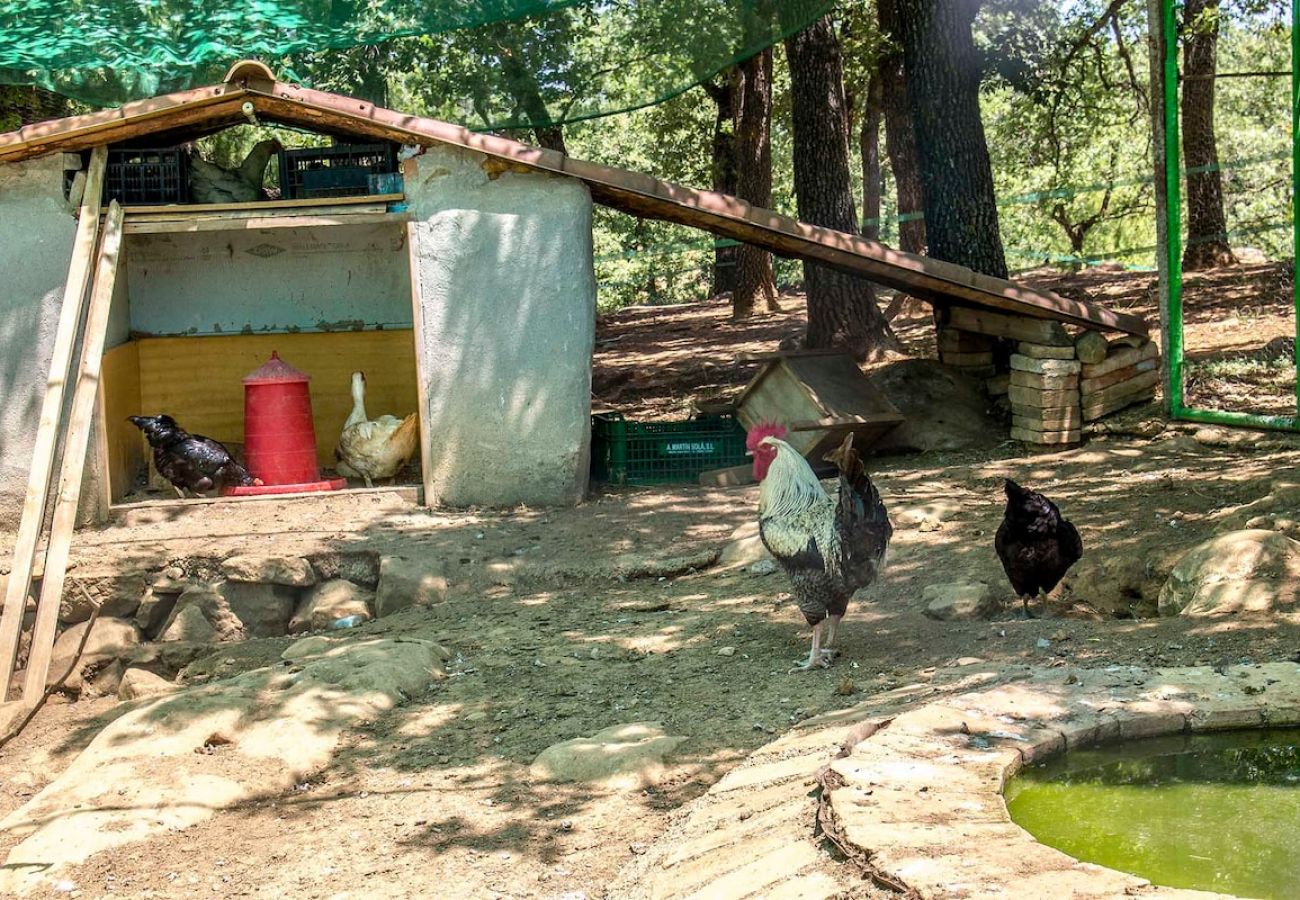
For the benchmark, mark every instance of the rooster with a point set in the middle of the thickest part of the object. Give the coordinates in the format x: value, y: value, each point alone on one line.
x: 190, y: 461
x: 210, y: 183
x: 829, y: 546
x: 1036, y: 545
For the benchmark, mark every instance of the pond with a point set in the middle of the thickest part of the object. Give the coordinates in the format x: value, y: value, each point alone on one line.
x: 1216, y: 812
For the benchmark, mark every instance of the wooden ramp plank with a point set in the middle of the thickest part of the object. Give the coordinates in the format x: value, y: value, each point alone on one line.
x: 76, y: 443
x: 47, y: 433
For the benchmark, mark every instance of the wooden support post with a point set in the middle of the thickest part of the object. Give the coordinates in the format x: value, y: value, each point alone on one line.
x: 75, y: 445
x: 421, y: 377
x: 47, y: 433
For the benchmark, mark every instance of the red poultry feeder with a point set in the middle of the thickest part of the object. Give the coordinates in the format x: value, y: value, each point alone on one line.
x: 279, y: 441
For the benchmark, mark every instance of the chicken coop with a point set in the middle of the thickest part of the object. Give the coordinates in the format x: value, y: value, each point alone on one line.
x: 462, y: 284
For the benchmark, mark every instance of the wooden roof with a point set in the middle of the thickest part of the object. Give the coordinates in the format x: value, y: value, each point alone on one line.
x: 171, y: 118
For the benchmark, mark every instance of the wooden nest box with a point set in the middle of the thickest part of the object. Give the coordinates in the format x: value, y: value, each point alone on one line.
x: 819, y: 396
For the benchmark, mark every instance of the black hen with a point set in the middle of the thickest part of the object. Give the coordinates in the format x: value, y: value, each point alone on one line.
x: 190, y: 461
x: 1036, y: 545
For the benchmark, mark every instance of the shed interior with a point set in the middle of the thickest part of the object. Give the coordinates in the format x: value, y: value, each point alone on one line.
x: 206, y: 292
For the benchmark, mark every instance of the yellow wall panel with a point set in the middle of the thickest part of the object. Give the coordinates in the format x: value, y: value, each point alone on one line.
x: 126, y: 446
x: 199, y: 380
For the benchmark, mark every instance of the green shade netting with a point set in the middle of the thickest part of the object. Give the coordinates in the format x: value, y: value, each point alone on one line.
x: 488, y: 64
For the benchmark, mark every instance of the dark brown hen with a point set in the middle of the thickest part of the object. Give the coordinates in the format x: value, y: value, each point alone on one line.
x: 1036, y: 544
x: 190, y: 461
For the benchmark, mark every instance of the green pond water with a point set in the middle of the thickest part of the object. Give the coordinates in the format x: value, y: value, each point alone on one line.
x: 1217, y: 812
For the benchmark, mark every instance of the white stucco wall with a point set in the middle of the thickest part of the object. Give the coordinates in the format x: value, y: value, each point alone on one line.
x: 509, y: 299
x: 36, y: 235
x: 272, y: 280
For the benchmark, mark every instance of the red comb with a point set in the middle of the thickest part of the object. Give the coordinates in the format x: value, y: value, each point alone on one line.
x: 762, y: 430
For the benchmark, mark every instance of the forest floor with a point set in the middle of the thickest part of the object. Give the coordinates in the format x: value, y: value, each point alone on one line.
x: 565, y: 622
x: 657, y: 362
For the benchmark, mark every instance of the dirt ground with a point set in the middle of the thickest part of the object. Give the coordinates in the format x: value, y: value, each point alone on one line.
x: 564, y: 622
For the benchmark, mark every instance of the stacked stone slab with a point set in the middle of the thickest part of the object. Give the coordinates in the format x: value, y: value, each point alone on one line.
x: 1057, y: 382
x: 1044, y: 394
x: 1128, y: 374
x: 967, y: 351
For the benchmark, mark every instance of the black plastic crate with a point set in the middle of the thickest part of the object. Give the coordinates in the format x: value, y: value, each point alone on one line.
x: 142, y: 176
x: 342, y: 171
x: 624, y: 452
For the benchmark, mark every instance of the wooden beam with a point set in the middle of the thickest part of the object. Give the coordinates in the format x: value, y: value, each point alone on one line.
x: 75, y: 445
x: 47, y: 432
x: 187, y: 210
x: 421, y: 377
x: 232, y: 222
x: 216, y: 103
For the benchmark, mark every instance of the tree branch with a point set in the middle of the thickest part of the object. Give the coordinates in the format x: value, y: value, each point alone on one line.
x: 54, y: 688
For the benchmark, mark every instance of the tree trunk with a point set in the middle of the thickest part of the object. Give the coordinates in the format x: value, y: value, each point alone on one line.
x: 943, y: 82
x: 724, y: 178
x: 841, y: 308
x: 1207, y: 241
x: 752, y: 104
x: 869, y: 144
x: 900, y: 141
x: 524, y: 90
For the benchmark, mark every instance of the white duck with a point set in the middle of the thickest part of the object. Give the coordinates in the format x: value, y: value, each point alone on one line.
x: 376, y: 448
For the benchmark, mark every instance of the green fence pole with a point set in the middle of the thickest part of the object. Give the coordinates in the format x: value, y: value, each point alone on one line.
x: 1173, y: 210
x: 1295, y: 183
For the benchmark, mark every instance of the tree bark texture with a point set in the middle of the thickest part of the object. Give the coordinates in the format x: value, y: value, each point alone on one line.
x: 724, y: 178
x: 942, y: 69
x: 842, y: 309
x: 869, y: 145
x: 1207, y: 226
x: 752, y: 104
x: 900, y: 141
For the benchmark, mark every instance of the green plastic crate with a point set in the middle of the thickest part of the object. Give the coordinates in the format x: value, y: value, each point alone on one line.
x: 626, y: 452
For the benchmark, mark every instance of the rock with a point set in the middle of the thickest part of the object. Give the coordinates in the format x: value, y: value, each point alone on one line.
x: 405, y: 582
x: 1091, y: 347
x: 110, y: 640
x: 725, y: 651
x: 926, y: 516
x: 743, y: 548
x: 141, y: 776
x: 1042, y: 643
x: 959, y: 600
x: 942, y: 409
x: 763, y: 567
x: 118, y: 595
x: 291, y: 571
x: 166, y: 659
x: 155, y: 608
x: 1281, y: 347
x: 308, y: 646
x: 329, y: 601
x: 1249, y: 571
x: 138, y: 683
x: 359, y: 567
x: 1021, y: 363
x: 622, y: 757
x: 202, y: 614
x: 1120, y: 583
x: 1227, y: 437
x: 263, y: 609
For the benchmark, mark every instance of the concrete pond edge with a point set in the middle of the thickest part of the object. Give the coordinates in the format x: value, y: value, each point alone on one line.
x: 909, y: 785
